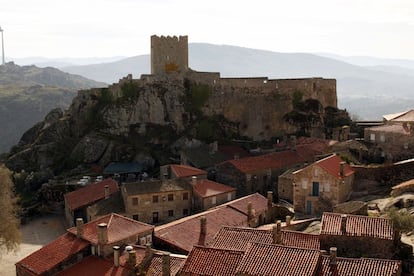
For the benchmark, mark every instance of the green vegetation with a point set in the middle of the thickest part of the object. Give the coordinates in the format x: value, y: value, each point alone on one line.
x: 196, y: 96
x: 130, y: 89
x: 402, y: 219
x: 9, y: 228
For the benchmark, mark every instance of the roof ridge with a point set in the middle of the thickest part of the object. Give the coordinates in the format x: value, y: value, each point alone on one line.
x: 218, y: 249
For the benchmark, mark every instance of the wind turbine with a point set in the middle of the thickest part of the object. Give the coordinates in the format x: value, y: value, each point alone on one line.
x: 2, y: 44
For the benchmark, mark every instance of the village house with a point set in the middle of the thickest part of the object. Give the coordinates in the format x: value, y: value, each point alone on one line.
x: 77, y: 202
x: 97, y: 238
x: 321, y: 185
x: 260, y: 173
x: 357, y: 236
x: 181, y: 235
x: 208, y: 194
x: 157, y: 201
x: 393, y: 141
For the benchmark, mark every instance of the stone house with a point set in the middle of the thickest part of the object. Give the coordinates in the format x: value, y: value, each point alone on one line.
x: 260, y: 173
x: 157, y: 201
x: 96, y: 238
x: 392, y: 141
x: 77, y: 202
x: 357, y: 236
x: 173, y: 171
x: 321, y: 185
x: 208, y: 194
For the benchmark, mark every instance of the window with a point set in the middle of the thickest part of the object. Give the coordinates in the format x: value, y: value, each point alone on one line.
x: 304, y: 184
x: 327, y: 187
x: 382, y: 138
x: 170, y: 213
x: 315, y: 188
x: 213, y: 200
x: 315, y: 171
x: 135, y: 217
x: 185, y: 196
x: 134, y: 201
x: 372, y: 137
x: 170, y: 197
x: 154, y: 199
x: 185, y: 212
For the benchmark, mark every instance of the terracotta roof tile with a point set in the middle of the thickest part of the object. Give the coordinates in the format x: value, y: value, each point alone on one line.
x: 186, y: 171
x: 360, y: 226
x: 94, y: 265
x: 211, y: 261
x: 119, y: 228
x: 282, y: 159
x: 155, y: 266
x: 332, y: 164
x: 52, y: 254
x: 237, y: 238
x: 271, y: 259
x: 404, y: 184
x: 393, y: 128
x: 185, y: 232
x: 363, y: 266
x: 90, y: 194
x: 207, y: 188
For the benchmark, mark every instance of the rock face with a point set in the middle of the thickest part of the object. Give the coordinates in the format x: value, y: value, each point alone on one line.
x: 135, y: 115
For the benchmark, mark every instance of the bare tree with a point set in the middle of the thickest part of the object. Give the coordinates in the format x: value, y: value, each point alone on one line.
x: 9, y: 222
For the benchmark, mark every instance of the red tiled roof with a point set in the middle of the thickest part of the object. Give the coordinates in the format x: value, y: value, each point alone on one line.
x: 271, y: 259
x: 119, y: 228
x: 155, y: 266
x: 185, y: 232
x: 90, y: 194
x: 282, y: 159
x: 211, y: 261
x: 94, y: 265
x: 393, y: 128
x: 407, y: 116
x: 207, y: 188
x: 332, y: 165
x: 360, y: 226
x: 52, y: 254
x: 185, y: 171
x: 237, y: 238
x: 363, y: 266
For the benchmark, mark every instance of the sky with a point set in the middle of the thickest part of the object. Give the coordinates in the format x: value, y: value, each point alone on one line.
x: 105, y: 28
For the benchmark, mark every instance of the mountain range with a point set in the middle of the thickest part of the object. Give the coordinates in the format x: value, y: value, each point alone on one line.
x: 367, y: 87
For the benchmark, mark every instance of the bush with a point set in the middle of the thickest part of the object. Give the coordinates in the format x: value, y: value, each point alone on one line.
x: 402, y: 220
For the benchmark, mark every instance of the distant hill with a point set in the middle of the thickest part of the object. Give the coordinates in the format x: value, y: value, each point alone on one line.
x: 366, y: 91
x: 28, y: 93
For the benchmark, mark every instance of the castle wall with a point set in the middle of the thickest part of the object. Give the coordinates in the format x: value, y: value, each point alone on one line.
x: 169, y: 54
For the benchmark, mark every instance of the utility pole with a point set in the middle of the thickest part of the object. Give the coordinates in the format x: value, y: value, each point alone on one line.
x: 2, y: 45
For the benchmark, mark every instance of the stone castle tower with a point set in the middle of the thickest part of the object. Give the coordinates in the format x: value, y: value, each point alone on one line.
x: 169, y: 54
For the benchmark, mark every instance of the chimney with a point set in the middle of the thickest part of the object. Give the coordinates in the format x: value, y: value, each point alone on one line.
x: 288, y: 220
x: 293, y: 142
x: 79, y: 227
x: 166, y: 266
x: 332, y: 256
x: 102, y: 233
x: 277, y: 232
x: 203, y: 231
x: 116, y: 249
x: 249, y: 213
x: 106, y: 191
x: 132, y: 258
x: 269, y: 199
x: 343, y: 224
x: 342, y: 169
x: 194, y: 180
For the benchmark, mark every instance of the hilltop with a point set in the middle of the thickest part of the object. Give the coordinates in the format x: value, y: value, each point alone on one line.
x: 28, y: 93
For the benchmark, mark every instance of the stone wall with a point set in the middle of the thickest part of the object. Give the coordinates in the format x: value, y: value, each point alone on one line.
x: 169, y: 54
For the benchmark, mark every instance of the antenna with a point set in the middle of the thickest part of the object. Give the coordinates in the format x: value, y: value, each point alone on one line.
x: 2, y: 44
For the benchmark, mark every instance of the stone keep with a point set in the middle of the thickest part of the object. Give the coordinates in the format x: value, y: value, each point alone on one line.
x: 169, y: 54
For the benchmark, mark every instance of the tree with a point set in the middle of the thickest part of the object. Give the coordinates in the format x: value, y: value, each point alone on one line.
x: 9, y: 222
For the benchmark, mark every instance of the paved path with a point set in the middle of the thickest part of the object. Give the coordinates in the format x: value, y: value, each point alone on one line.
x: 35, y: 234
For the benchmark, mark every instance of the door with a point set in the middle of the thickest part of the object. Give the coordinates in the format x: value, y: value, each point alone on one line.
x: 308, y: 207
x: 155, y: 217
